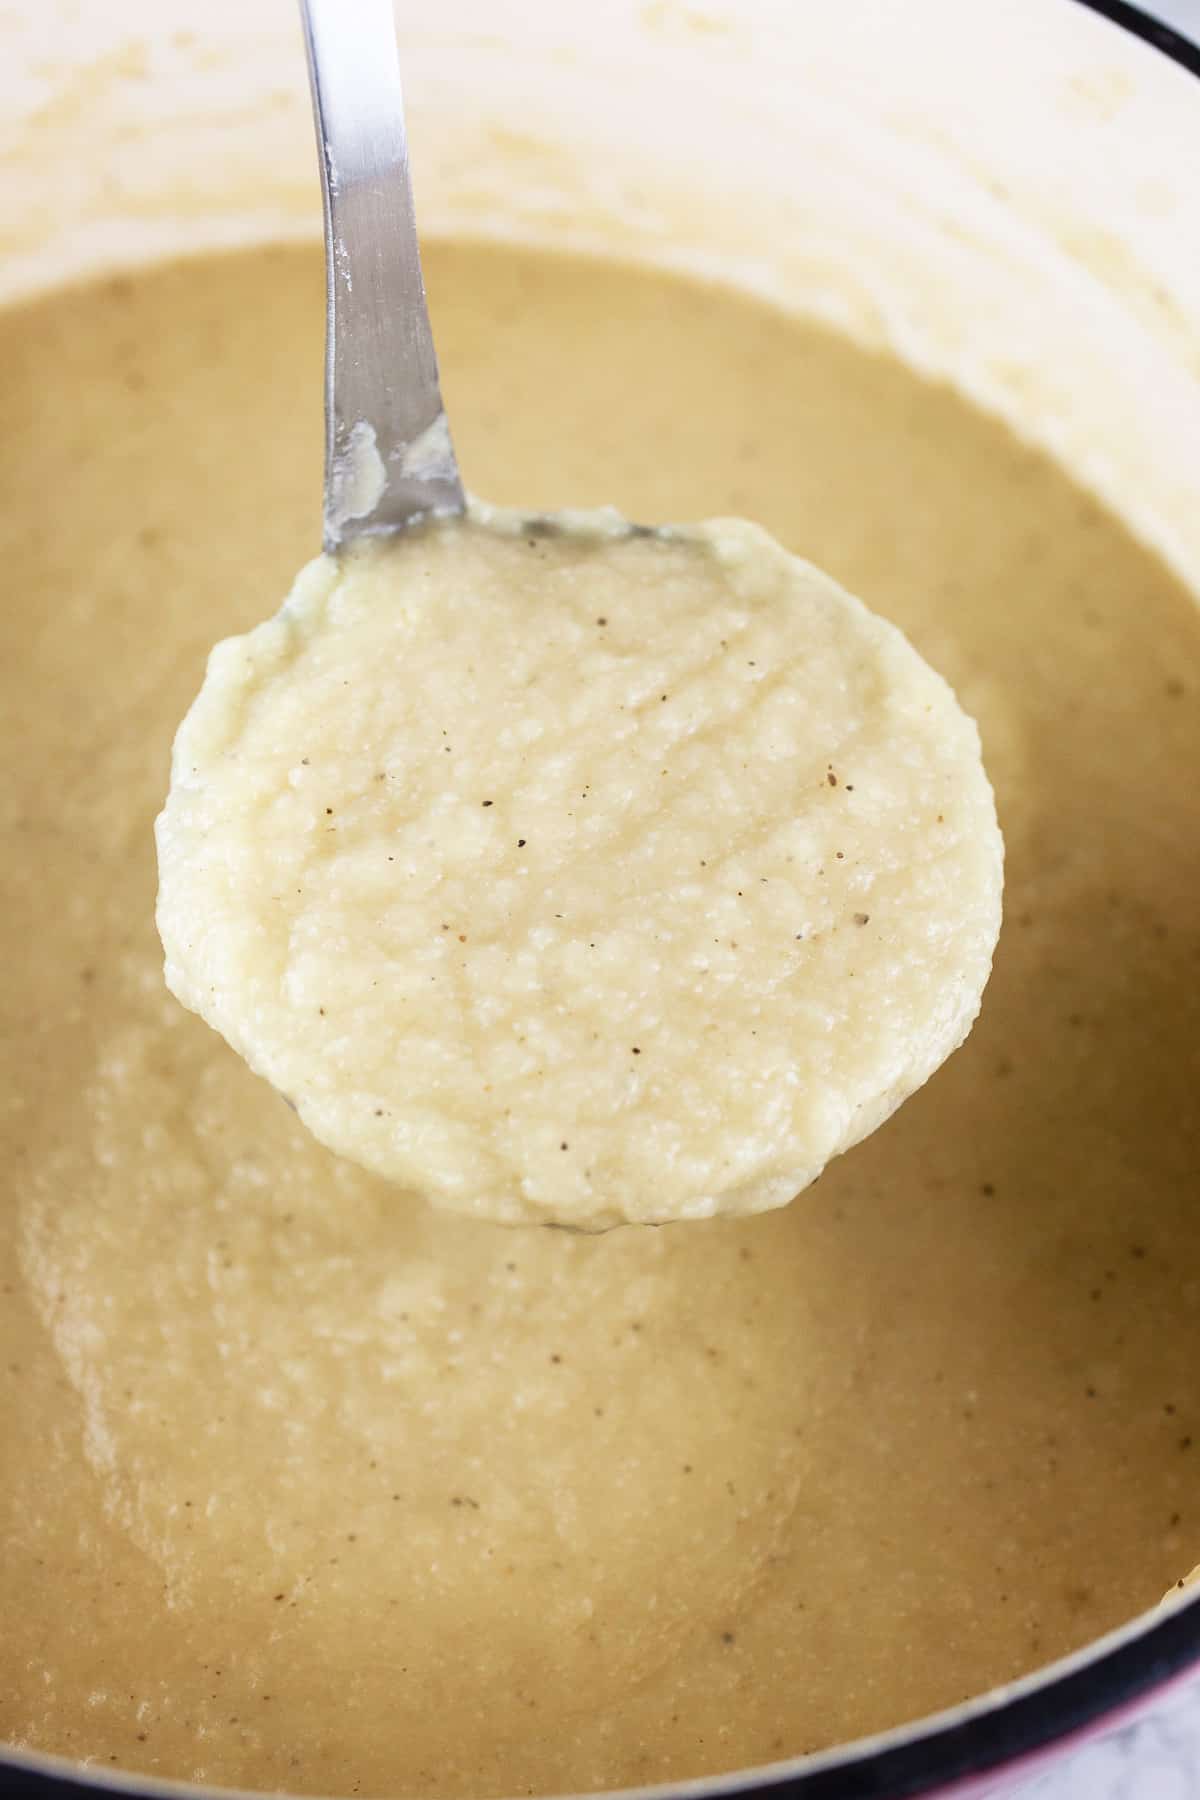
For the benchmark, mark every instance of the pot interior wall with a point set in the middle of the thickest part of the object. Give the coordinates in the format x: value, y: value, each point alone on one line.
x: 859, y: 163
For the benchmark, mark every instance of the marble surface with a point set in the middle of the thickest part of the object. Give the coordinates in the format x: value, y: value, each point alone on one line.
x: 1184, y: 15
x: 1155, y: 1758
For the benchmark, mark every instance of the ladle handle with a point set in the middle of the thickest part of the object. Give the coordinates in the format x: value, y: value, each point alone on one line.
x: 388, y: 454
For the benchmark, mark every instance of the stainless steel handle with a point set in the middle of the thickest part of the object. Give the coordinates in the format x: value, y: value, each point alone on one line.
x: 388, y: 453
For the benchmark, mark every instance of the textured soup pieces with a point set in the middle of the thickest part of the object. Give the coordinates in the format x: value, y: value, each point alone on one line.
x: 560, y: 871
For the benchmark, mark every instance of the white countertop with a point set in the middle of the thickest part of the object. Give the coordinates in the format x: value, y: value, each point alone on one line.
x: 1156, y: 1758
x: 1184, y: 15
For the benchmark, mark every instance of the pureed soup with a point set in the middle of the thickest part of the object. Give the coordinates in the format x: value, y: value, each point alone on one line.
x: 709, y: 884
x: 307, y: 1487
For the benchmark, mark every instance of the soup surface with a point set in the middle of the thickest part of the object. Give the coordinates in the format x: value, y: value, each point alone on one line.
x: 304, y: 1486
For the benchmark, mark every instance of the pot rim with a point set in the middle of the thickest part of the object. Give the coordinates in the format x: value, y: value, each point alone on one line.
x: 942, y: 1753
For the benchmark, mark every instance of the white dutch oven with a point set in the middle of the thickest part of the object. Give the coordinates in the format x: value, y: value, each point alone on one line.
x: 1007, y: 194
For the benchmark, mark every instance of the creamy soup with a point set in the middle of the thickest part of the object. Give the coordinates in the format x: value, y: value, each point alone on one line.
x: 568, y: 872
x: 305, y: 1488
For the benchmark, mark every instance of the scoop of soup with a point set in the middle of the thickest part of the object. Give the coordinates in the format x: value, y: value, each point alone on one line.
x: 564, y: 871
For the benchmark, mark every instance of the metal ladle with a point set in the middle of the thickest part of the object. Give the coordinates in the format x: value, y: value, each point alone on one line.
x: 389, y: 459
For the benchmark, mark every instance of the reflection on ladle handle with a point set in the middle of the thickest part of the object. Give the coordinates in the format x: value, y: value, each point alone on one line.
x: 388, y: 455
